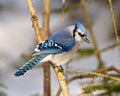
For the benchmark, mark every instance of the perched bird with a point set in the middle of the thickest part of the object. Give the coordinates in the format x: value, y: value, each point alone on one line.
x: 58, y: 48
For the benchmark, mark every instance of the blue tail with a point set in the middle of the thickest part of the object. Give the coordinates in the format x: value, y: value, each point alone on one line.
x: 29, y: 65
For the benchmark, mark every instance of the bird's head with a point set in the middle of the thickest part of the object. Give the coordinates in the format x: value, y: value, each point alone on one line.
x: 80, y: 33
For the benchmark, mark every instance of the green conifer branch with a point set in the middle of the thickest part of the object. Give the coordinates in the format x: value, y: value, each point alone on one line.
x: 113, y: 87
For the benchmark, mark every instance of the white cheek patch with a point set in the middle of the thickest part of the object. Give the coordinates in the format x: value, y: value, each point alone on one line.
x: 77, y: 37
x: 79, y: 31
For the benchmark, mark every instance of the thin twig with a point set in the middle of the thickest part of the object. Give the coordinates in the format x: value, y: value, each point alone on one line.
x: 45, y: 31
x: 86, y: 16
x: 34, y: 18
x: 72, y: 79
x: 46, y: 15
x: 63, y: 7
x: 100, y: 51
x: 114, y: 24
x: 98, y: 73
x: 111, y: 68
x: 103, y: 70
x: 41, y: 36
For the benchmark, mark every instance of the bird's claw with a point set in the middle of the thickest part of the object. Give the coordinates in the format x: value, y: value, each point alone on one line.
x: 61, y: 69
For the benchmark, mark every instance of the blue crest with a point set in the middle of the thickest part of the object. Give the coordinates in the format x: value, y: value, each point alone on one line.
x: 81, y: 27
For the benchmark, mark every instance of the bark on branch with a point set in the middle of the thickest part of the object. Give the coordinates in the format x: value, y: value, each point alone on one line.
x: 61, y: 79
x: 34, y: 19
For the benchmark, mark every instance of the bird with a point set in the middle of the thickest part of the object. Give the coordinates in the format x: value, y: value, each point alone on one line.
x: 58, y: 48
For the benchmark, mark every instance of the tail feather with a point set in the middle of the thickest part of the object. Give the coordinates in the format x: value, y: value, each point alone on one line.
x: 29, y: 65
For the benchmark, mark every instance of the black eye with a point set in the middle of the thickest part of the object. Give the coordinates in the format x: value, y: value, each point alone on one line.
x: 82, y: 35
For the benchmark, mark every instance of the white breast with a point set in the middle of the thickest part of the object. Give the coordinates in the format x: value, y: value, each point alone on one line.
x: 61, y: 58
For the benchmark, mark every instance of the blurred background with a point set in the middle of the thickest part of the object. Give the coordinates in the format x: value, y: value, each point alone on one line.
x: 17, y: 42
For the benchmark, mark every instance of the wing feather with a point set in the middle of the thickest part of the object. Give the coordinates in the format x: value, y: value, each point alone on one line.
x: 48, y: 47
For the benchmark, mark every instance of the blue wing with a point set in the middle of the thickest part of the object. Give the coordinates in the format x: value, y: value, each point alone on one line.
x: 59, y: 42
x: 48, y: 47
x: 64, y: 39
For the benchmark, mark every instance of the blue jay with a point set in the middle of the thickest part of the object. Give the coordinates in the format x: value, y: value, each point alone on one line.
x: 58, y: 48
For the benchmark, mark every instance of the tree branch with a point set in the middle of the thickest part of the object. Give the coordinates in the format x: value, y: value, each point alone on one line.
x: 72, y: 79
x: 61, y: 79
x: 87, y: 19
x: 90, y: 75
x: 42, y: 36
x: 46, y: 15
x: 63, y: 7
x: 45, y: 31
x: 114, y: 24
x: 34, y: 19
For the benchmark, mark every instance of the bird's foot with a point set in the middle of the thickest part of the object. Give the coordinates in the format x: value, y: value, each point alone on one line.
x: 61, y: 69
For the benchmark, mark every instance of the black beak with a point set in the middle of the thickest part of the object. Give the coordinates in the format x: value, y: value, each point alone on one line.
x: 86, y: 39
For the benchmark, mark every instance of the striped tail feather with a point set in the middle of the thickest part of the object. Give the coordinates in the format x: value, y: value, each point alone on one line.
x: 29, y: 65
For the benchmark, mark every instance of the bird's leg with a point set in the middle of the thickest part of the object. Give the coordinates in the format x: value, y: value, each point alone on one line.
x: 61, y: 68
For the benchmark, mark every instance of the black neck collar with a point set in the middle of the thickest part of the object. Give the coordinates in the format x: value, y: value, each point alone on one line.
x: 74, y: 31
